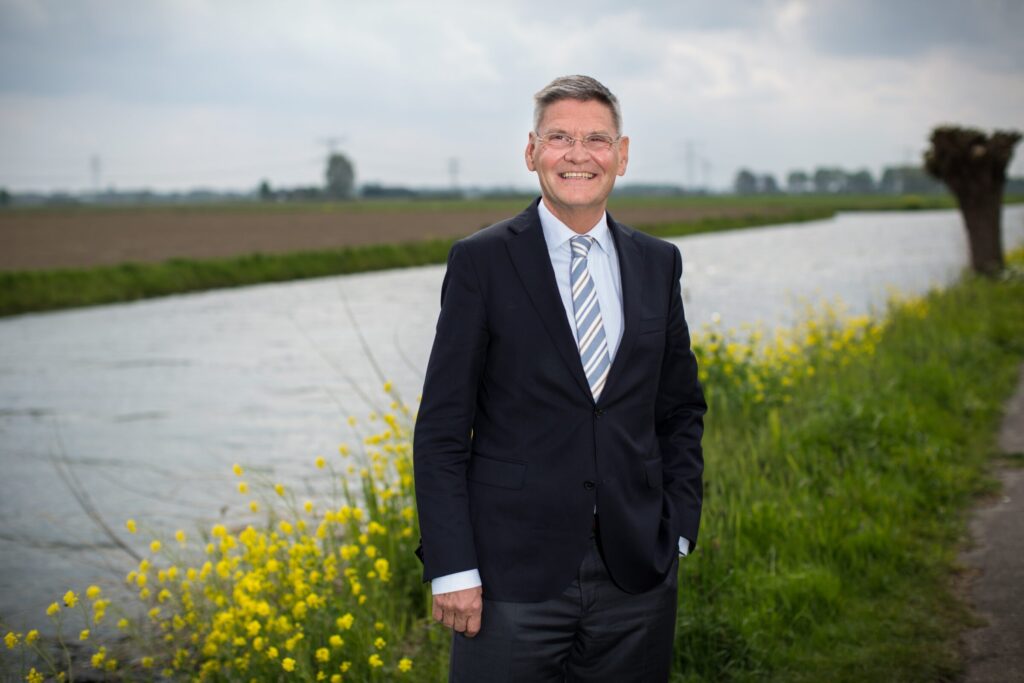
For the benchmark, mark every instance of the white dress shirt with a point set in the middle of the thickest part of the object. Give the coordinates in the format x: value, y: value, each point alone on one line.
x: 603, y: 262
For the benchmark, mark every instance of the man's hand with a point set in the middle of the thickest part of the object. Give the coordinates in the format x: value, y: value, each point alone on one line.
x: 460, y: 610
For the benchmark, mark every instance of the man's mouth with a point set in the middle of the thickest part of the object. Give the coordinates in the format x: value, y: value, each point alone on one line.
x: 576, y: 175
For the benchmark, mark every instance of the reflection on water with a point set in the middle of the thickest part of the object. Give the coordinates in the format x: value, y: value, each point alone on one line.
x: 143, y: 407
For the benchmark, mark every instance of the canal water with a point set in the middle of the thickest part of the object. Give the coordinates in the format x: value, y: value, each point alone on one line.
x: 142, y: 408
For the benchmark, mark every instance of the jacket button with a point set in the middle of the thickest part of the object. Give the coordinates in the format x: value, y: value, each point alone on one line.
x: 588, y: 485
x: 598, y: 412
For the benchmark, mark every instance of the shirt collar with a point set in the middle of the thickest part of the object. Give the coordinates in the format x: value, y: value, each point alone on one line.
x: 557, y: 233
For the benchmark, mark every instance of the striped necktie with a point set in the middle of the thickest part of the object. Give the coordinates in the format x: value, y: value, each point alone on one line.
x: 589, y: 324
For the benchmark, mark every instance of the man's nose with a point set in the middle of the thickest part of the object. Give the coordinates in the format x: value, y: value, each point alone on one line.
x: 577, y: 152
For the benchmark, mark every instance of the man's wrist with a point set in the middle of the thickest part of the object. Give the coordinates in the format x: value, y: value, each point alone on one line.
x: 459, y: 581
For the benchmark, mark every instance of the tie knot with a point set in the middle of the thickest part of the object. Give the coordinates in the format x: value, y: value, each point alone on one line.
x: 581, y: 245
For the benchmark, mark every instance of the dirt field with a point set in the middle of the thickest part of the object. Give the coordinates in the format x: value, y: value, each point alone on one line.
x: 75, y: 238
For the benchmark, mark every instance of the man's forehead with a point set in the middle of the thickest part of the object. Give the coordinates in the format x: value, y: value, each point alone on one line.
x: 564, y: 114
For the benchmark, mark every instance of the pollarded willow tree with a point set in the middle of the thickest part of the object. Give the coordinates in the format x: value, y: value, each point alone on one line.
x: 973, y: 166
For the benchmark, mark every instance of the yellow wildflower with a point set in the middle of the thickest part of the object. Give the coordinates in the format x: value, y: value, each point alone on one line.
x: 243, y: 487
x: 272, y: 652
x: 375, y: 660
x: 336, y: 640
x: 336, y: 678
x: 237, y: 469
x: 345, y: 622
x: 32, y: 636
x: 84, y: 635
x: 180, y: 537
x: 380, y: 643
x: 131, y: 526
x: 11, y: 639
x: 288, y: 664
x: 92, y: 592
x: 323, y: 654
x: 122, y: 623
x: 70, y: 599
x: 308, y: 506
x: 155, y: 546
x: 99, y: 657
x: 320, y: 462
x: 279, y: 489
x: 34, y: 676
x: 147, y: 663
x: 254, y: 506
x: 404, y: 664
x: 52, y: 609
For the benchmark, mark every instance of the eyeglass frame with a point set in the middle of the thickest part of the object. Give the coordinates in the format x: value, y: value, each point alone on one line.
x: 604, y: 139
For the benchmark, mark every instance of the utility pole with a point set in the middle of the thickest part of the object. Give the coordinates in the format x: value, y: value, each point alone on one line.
x: 453, y: 173
x: 332, y: 143
x: 690, y: 182
x: 94, y: 174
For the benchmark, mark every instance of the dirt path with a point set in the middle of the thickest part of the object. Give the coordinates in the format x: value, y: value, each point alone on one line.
x: 995, y: 651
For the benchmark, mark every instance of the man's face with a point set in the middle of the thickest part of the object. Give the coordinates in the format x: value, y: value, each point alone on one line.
x: 577, y: 178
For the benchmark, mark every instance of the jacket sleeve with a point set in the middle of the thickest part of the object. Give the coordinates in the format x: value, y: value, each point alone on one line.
x: 442, y: 438
x: 679, y: 418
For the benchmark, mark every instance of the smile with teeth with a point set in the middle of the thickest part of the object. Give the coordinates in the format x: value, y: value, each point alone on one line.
x: 576, y: 175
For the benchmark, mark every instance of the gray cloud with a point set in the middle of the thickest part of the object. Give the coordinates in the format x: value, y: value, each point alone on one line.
x: 987, y: 33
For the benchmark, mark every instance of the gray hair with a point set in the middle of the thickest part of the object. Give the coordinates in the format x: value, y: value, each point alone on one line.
x: 582, y: 88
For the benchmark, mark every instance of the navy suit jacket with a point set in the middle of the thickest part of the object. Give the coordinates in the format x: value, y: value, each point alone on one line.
x: 512, y: 453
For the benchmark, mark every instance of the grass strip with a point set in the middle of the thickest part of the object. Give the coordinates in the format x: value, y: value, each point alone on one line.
x: 28, y: 291
x: 836, y: 501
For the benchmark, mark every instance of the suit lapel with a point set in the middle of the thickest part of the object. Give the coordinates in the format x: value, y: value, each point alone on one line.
x: 631, y: 262
x: 529, y: 254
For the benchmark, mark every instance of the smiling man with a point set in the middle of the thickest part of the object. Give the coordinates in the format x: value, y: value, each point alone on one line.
x: 558, y: 444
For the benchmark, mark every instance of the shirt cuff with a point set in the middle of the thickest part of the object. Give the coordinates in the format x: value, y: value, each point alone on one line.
x: 684, y: 547
x: 460, y: 581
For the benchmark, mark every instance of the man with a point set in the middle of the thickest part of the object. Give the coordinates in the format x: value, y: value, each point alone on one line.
x: 557, y: 449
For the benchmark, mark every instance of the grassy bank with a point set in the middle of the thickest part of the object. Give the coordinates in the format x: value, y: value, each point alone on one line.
x: 842, y: 456
x: 838, y: 480
x: 27, y: 291
x: 41, y: 290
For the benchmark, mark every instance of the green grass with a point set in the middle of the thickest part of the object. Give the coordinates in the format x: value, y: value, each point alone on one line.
x: 834, y: 511
x: 28, y: 291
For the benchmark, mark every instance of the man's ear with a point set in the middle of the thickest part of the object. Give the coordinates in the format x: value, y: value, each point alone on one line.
x: 623, y: 155
x: 531, y: 147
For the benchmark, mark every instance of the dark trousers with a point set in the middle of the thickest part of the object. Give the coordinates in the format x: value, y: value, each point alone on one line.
x: 592, y: 632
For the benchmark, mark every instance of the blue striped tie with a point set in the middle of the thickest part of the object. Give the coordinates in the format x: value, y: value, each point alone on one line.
x: 589, y: 324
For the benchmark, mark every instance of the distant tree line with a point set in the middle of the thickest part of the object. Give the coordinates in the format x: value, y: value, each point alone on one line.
x: 835, y: 180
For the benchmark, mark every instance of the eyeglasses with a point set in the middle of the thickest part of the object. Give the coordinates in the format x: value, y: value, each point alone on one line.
x: 596, y: 142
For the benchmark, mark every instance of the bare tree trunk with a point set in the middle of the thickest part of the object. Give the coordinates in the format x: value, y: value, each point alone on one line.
x: 973, y: 165
x: 983, y: 216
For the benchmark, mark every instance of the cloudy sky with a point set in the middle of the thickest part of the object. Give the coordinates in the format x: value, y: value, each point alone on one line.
x: 178, y: 94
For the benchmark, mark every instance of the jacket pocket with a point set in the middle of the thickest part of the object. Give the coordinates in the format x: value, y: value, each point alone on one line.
x: 506, y: 474
x: 652, y: 468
